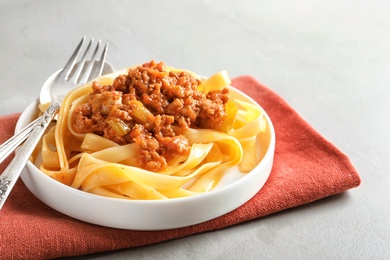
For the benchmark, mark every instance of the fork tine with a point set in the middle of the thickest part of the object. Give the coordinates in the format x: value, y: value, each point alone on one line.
x: 90, y: 64
x: 70, y: 63
x: 100, y: 66
x: 81, y: 64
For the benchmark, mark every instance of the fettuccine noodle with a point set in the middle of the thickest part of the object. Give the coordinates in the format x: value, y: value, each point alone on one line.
x: 95, y: 164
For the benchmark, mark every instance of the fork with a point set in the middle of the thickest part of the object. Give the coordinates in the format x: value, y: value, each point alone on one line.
x: 69, y: 77
x: 12, y: 143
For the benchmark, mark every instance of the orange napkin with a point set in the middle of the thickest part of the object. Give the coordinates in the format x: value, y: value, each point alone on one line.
x: 306, y: 168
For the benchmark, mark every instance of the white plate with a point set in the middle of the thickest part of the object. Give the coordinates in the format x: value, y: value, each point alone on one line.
x: 233, y: 191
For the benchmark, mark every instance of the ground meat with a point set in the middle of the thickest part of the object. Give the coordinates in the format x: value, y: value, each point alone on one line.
x: 143, y: 105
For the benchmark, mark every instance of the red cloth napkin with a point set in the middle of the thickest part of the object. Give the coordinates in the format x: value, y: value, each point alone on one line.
x: 306, y: 168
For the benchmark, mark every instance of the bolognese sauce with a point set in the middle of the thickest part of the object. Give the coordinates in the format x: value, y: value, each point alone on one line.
x: 142, y: 107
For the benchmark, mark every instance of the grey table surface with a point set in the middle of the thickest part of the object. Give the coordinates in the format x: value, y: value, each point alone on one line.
x: 329, y: 59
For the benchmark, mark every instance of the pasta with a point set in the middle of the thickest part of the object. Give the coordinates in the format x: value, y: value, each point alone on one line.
x: 110, y: 161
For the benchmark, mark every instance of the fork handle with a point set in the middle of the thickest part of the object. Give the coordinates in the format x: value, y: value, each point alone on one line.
x: 11, y: 174
x: 12, y: 143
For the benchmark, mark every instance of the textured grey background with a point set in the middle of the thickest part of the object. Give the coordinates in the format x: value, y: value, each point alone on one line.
x: 329, y: 59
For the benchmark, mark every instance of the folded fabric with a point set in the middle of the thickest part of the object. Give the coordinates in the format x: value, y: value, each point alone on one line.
x: 306, y: 168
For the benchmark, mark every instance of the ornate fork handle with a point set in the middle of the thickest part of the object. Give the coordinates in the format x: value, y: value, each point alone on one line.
x: 11, y: 174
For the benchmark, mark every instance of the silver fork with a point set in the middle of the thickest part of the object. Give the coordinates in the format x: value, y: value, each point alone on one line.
x: 67, y: 79
x: 12, y: 143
